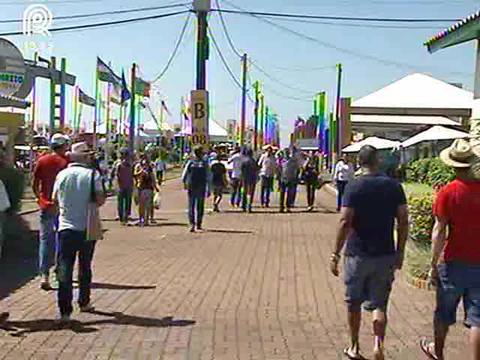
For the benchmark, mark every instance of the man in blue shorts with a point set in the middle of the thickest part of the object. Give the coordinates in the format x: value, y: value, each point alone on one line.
x: 370, y: 206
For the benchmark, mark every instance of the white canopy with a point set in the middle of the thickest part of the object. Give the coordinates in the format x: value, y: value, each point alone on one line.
x: 376, y: 142
x: 403, y: 120
x: 216, y: 130
x: 435, y: 133
x: 418, y: 91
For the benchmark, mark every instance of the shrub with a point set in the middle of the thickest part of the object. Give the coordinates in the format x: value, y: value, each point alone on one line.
x: 439, y: 174
x: 421, y: 218
x: 431, y: 171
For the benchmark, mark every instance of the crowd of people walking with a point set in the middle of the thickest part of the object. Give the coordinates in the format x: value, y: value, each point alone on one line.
x: 70, y: 189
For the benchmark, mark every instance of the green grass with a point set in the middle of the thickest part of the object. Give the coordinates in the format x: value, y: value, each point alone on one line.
x: 417, y: 189
x: 418, y: 257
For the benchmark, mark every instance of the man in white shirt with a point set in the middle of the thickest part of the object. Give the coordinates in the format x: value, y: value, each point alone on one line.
x: 74, y: 188
x: 343, y: 174
x: 268, y: 169
x: 236, y: 177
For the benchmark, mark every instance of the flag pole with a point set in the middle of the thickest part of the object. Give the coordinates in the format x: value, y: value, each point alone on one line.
x: 75, y: 109
x: 97, y: 108
x: 108, y: 121
x: 132, y: 113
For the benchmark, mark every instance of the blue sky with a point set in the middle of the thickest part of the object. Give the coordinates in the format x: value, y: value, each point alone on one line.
x: 284, y: 56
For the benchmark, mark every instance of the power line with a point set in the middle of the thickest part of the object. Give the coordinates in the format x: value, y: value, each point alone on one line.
x: 225, y: 63
x: 280, y: 82
x: 335, y: 47
x: 104, y: 24
x: 287, y: 97
x: 337, y: 18
x: 254, y: 64
x: 114, y: 12
x: 225, y: 30
x: 175, y: 50
x: 367, y: 26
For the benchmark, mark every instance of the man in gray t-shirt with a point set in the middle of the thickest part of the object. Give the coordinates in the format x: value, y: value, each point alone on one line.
x: 76, y: 187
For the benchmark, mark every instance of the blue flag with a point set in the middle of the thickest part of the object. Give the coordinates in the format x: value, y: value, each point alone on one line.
x: 125, y: 93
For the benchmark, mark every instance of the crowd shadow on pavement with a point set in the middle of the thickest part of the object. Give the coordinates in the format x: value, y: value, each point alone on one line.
x: 228, y: 231
x: 18, y: 263
x: 106, y: 286
x: 23, y: 328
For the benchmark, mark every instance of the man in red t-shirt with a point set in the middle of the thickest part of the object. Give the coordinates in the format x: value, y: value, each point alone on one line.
x: 456, y: 250
x: 46, y: 170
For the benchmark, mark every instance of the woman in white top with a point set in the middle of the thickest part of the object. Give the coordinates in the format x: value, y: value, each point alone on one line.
x: 343, y: 174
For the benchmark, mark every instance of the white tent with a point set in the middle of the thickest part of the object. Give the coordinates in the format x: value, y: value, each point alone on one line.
x: 418, y: 91
x: 435, y: 133
x: 403, y: 120
x: 376, y: 142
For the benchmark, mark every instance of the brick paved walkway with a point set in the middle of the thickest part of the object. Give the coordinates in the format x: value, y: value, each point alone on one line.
x: 256, y: 287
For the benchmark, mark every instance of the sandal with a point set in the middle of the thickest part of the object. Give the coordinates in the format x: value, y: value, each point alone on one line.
x: 427, y: 349
x: 347, y: 353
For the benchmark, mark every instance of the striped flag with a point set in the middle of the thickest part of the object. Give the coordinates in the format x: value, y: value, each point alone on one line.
x: 142, y: 87
x: 106, y: 74
x: 85, y: 99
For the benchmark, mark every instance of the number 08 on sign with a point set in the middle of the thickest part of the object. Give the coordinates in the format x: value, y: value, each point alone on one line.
x: 199, y: 113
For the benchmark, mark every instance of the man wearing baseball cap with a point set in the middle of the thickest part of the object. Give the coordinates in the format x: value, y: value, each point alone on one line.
x: 46, y: 170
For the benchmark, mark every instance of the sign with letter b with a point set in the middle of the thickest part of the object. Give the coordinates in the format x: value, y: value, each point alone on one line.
x: 199, y: 111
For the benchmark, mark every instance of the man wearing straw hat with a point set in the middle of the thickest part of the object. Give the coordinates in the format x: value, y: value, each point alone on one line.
x: 455, y: 266
x: 74, y: 189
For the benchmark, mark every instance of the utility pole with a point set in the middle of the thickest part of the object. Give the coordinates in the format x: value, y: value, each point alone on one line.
x: 244, y: 100
x: 202, y: 8
x: 53, y: 65
x: 131, y: 144
x: 338, y: 127
x: 256, y: 85
x: 199, y: 98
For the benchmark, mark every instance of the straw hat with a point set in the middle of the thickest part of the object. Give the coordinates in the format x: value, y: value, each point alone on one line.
x: 460, y: 155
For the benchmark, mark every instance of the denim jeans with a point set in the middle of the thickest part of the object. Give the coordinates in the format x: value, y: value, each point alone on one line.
x: 267, y: 186
x: 248, y: 195
x: 457, y: 281
x: 290, y: 190
x: 71, y: 243
x: 311, y: 189
x: 124, y: 203
x: 236, y: 192
x: 48, y: 242
x: 196, y: 207
x: 341, y: 190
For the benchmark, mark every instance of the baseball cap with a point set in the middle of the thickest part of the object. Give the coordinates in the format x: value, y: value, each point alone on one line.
x: 59, y: 140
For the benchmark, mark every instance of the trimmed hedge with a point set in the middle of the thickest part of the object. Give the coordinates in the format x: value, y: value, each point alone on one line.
x: 431, y: 171
x: 421, y: 218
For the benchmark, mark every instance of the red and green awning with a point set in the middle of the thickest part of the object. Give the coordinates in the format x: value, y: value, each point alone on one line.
x: 465, y: 30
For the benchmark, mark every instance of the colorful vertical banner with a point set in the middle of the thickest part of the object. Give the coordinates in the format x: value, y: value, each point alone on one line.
x: 345, y: 135
x: 322, y: 120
